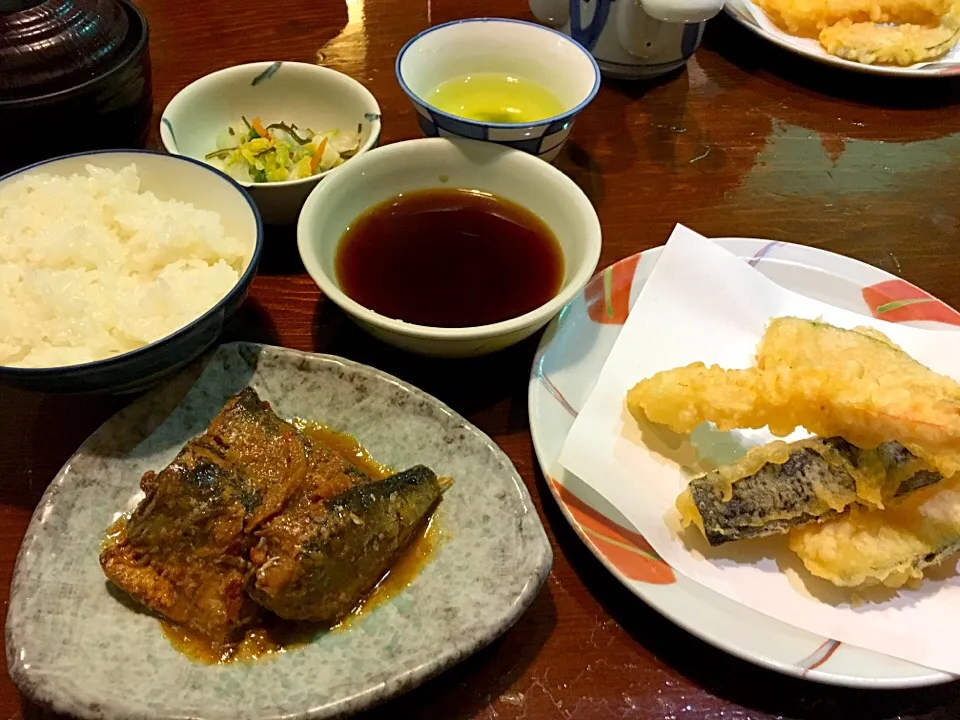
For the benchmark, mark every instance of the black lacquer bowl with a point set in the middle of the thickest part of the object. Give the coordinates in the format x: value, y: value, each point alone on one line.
x: 74, y: 76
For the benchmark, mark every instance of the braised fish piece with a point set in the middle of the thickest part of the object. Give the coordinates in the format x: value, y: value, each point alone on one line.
x: 786, y: 485
x: 321, y: 556
x: 184, y: 552
x: 194, y: 579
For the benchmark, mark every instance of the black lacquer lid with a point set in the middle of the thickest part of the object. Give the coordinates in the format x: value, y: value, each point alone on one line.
x: 52, y: 45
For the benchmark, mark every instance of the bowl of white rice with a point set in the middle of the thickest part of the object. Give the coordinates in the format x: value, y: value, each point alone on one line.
x: 118, y: 268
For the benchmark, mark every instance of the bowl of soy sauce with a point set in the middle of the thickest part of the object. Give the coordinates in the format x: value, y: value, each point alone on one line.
x: 449, y: 248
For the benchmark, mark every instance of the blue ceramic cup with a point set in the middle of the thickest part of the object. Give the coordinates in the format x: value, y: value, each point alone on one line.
x: 541, y: 55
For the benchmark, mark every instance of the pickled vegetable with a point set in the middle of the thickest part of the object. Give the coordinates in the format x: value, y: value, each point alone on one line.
x: 250, y: 151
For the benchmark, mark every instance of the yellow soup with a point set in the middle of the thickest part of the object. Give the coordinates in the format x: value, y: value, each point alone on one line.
x: 489, y: 97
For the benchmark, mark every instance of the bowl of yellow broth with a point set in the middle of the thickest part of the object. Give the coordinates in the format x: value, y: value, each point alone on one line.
x: 505, y: 81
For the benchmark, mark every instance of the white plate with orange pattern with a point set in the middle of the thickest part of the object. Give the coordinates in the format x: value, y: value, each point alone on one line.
x: 568, y: 362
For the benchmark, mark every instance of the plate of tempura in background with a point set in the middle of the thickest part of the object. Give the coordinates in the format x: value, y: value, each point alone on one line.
x: 906, y: 38
x: 274, y: 534
x: 640, y: 484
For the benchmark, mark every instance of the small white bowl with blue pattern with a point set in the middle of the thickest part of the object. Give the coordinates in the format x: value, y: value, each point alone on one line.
x: 497, y: 45
x: 294, y: 92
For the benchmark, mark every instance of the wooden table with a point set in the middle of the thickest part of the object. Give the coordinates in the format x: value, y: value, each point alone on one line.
x: 748, y: 141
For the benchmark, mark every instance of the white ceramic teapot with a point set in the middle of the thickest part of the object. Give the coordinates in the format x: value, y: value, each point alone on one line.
x: 631, y: 38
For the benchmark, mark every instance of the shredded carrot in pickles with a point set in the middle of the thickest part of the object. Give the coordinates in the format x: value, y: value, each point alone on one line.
x: 318, y: 155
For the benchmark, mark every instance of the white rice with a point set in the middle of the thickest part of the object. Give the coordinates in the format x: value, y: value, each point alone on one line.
x: 90, y: 267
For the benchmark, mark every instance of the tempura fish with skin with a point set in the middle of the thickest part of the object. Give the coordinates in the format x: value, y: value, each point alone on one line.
x: 889, y: 547
x: 779, y: 486
x: 854, y: 384
x: 768, y: 491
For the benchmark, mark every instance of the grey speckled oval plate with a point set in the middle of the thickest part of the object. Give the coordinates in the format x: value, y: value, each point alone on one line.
x: 73, y: 646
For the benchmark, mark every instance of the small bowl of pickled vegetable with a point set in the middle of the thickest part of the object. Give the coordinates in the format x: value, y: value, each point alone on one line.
x: 277, y: 128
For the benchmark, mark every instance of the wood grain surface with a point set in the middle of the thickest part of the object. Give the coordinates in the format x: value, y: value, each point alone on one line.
x: 747, y: 141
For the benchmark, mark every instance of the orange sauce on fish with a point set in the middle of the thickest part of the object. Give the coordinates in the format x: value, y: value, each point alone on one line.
x: 274, y: 635
x: 115, y: 533
x: 346, y: 446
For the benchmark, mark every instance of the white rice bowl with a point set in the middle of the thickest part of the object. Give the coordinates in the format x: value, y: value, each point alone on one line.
x: 90, y: 267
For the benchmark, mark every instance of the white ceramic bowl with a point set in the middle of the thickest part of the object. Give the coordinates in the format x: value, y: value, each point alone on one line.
x: 301, y: 93
x: 435, y: 163
x: 510, y: 47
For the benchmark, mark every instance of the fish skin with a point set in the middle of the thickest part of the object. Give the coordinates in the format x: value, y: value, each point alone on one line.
x: 317, y: 560
x: 894, y: 454
x: 782, y: 489
x: 787, y: 492
x: 921, y: 562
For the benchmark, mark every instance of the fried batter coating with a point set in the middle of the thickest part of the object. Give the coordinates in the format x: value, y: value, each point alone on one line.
x: 854, y: 384
x: 808, y: 17
x: 889, y: 547
x: 685, y: 397
x: 872, y: 32
x: 901, y: 45
x: 779, y: 486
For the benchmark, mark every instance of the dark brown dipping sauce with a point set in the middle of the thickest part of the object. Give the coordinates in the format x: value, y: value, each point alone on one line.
x: 449, y: 258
